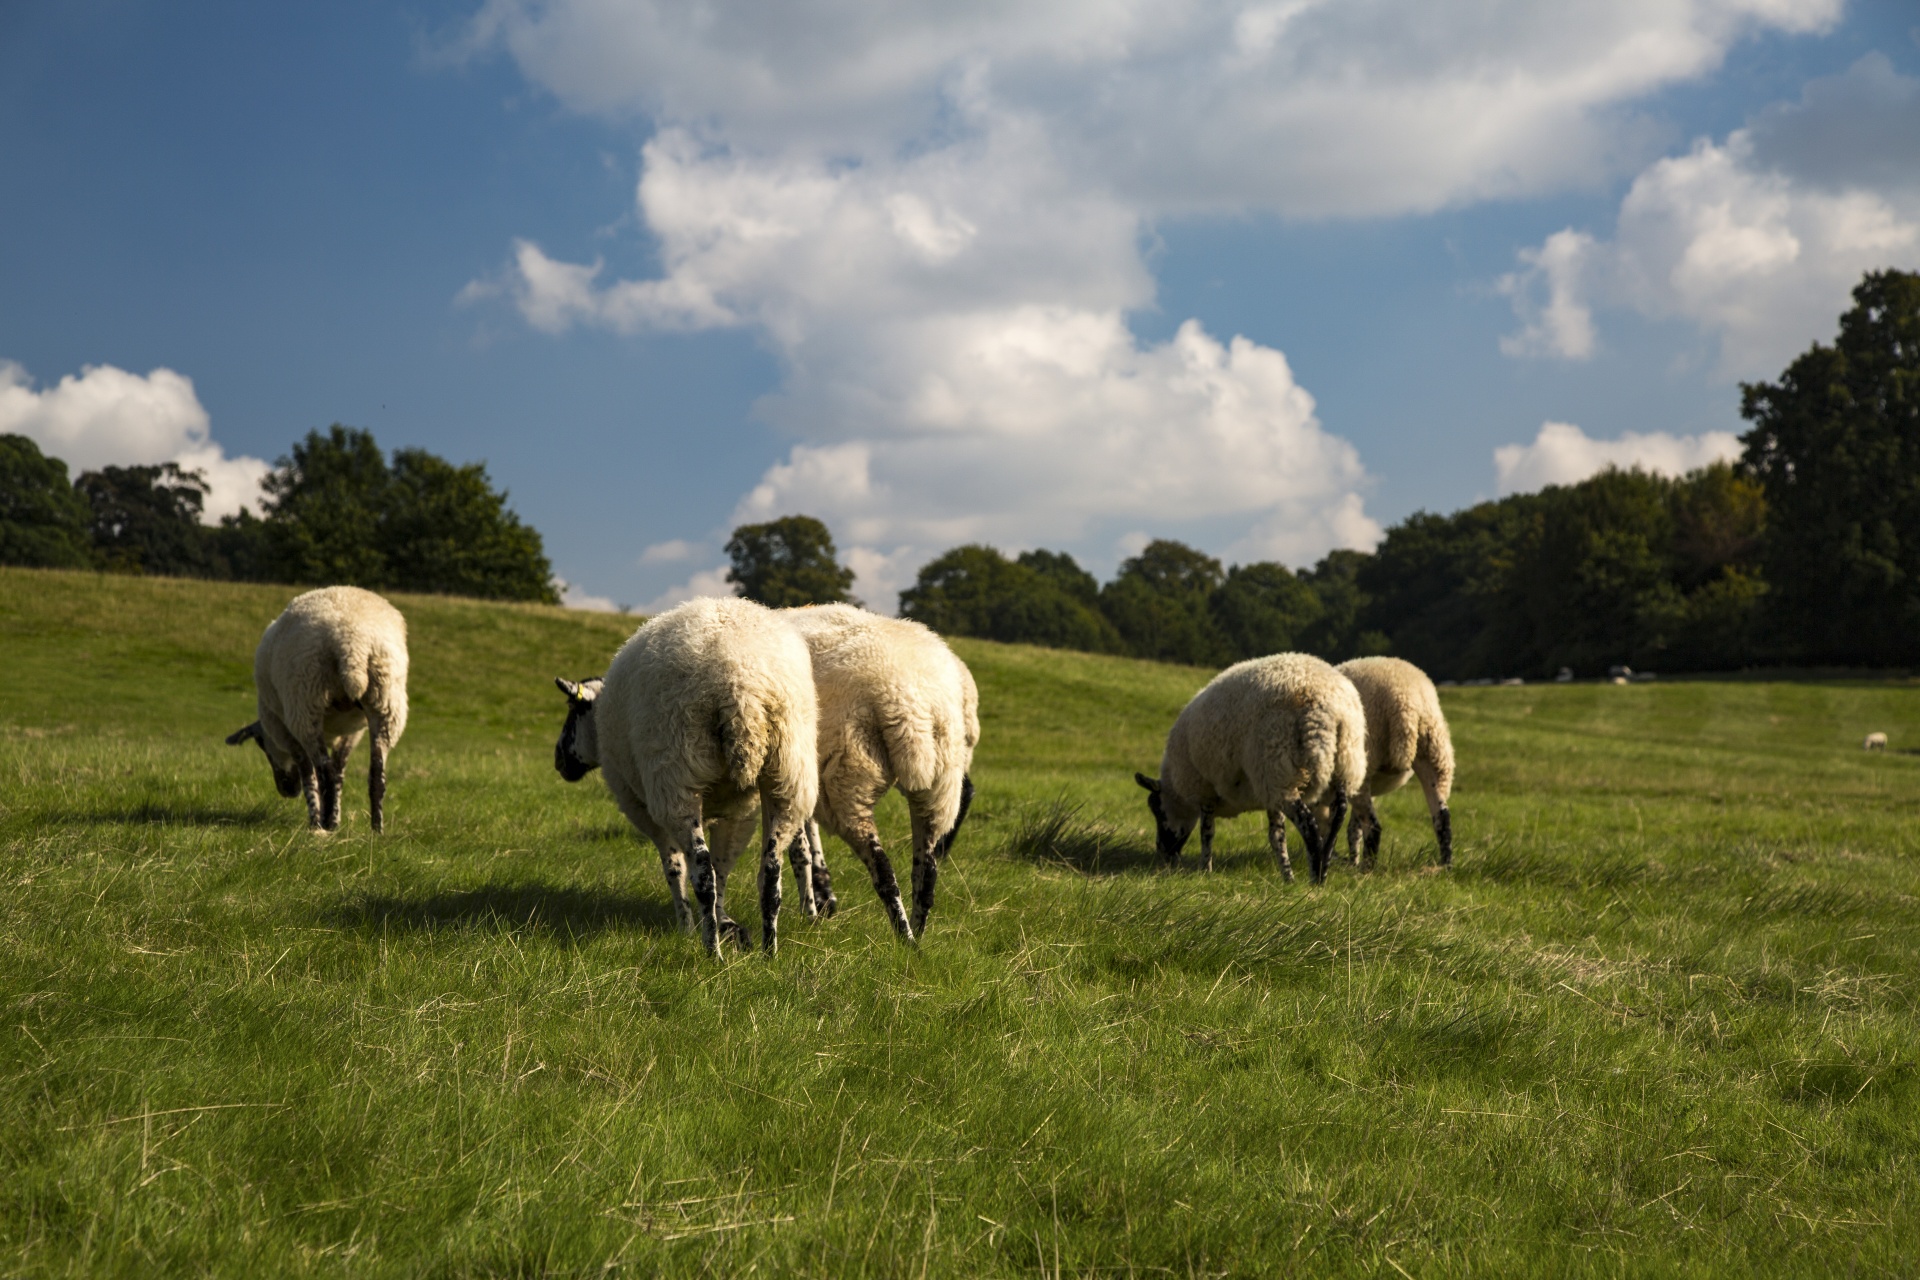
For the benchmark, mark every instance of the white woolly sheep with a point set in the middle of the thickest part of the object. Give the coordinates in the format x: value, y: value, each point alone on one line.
x: 1876, y: 742
x: 330, y: 668
x: 1406, y: 736
x: 897, y: 708
x: 705, y: 713
x: 1284, y: 734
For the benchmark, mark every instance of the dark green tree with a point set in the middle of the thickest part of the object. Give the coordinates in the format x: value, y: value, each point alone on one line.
x: 336, y: 512
x: 1039, y: 599
x: 324, y: 505
x: 147, y: 520
x: 1159, y: 604
x: 1836, y: 444
x: 446, y: 530
x: 1263, y: 608
x: 1340, y: 632
x: 43, y: 522
x: 787, y: 562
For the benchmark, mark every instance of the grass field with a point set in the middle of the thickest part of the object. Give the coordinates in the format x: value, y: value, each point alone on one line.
x: 1658, y: 1020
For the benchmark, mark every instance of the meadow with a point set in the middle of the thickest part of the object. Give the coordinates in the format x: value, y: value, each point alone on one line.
x: 1659, y: 1018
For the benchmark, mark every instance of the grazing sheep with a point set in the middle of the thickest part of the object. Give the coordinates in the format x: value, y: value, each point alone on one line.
x: 331, y: 667
x: 1406, y: 735
x: 897, y: 708
x: 1876, y: 742
x: 1285, y: 734
x: 707, y: 711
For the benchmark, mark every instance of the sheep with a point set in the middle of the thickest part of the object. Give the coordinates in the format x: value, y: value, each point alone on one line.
x: 1875, y: 742
x: 331, y: 667
x: 897, y: 708
x: 707, y: 712
x: 1285, y: 734
x: 1406, y: 735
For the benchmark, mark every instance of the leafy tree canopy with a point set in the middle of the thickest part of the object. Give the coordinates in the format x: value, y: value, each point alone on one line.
x: 787, y: 562
x: 43, y: 522
x: 147, y: 519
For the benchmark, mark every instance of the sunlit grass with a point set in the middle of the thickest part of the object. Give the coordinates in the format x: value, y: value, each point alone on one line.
x: 1658, y: 1019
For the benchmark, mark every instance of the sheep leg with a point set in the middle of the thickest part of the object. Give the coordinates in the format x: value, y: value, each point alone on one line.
x: 866, y: 843
x: 1363, y: 832
x: 1336, y: 814
x: 674, y: 864
x: 730, y: 837
x: 1432, y: 783
x: 1206, y: 840
x: 1277, y: 839
x: 823, y: 896
x: 327, y: 783
x: 770, y: 896
x: 310, y: 788
x: 802, y: 859
x: 706, y: 890
x: 926, y: 864
x: 377, y: 771
x: 1303, y: 818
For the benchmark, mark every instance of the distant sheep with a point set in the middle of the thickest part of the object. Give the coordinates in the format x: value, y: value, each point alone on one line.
x: 1406, y: 735
x: 1284, y: 734
x: 330, y: 668
x: 1876, y: 742
x: 705, y: 713
x: 897, y: 708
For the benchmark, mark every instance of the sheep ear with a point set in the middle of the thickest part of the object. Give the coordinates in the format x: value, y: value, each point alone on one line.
x: 239, y: 736
x: 567, y: 687
x: 1149, y: 783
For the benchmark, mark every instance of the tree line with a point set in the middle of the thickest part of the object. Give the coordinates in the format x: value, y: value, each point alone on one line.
x: 335, y: 509
x: 1806, y: 551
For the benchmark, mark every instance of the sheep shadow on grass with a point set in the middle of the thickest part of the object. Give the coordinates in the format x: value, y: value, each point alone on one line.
x: 170, y: 814
x: 1059, y: 834
x: 560, y: 910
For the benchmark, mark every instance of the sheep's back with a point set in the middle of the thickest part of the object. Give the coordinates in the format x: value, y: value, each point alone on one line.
x: 1268, y: 731
x: 1404, y: 719
x: 334, y: 645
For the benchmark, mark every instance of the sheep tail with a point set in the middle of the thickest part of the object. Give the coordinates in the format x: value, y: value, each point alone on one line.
x: 742, y: 734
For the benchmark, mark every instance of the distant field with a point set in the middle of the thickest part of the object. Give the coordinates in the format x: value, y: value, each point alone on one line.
x: 1659, y: 1019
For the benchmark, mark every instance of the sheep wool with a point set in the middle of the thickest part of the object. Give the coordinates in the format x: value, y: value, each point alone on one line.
x: 705, y: 713
x: 1284, y: 734
x: 331, y: 668
x: 1406, y: 736
x: 897, y: 708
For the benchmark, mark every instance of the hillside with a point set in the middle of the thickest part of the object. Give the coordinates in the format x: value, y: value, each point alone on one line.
x: 1659, y: 1018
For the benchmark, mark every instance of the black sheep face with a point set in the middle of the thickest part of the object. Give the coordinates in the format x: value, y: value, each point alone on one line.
x: 1170, y: 829
x: 571, y: 752
x: 286, y: 769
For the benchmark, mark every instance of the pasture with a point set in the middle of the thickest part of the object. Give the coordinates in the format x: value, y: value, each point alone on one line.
x: 1658, y: 1020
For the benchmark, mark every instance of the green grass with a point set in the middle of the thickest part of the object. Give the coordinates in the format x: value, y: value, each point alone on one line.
x: 1659, y: 1019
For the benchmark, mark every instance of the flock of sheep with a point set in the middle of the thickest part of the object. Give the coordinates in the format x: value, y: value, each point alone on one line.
x: 721, y: 713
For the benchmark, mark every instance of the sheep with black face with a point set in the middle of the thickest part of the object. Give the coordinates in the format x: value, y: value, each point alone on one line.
x: 706, y: 713
x: 330, y: 669
x: 1284, y: 735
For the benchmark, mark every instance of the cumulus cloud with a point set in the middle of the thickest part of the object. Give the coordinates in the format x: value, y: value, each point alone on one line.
x: 1564, y: 454
x: 1757, y: 240
x: 105, y: 416
x: 574, y: 596
x: 708, y: 582
x: 934, y: 215
x: 673, y: 551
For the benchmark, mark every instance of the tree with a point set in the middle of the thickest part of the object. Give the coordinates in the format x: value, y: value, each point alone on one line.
x: 446, y: 530
x: 324, y: 505
x: 1039, y: 599
x: 1338, y: 633
x: 1836, y: 445
x: 147, y: 519
x: 1263, y: 608
x: 1159, y: 604
x: 43, y: 522
x: 338, y: 513
x: 787, y: 562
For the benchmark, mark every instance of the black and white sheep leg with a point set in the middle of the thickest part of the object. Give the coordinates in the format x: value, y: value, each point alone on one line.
x: 1277, y: 841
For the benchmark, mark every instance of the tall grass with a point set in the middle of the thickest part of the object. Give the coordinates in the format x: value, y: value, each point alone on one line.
x: 1659, y: 1018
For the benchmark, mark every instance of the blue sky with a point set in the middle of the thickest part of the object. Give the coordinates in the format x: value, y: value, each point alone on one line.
x: 938, y: 279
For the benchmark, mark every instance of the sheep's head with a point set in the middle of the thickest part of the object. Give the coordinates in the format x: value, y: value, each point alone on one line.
x: 577, y: 753
x: 1172, y: 823
x: 286, y: 769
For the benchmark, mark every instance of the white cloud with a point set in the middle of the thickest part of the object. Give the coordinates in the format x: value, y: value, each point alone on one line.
x: 672, y: 551
x: 1564, y: 454
x: 108, y: 417
x: 574, y: 596
x: 708, y: 582
x: 1757, y: 240
x: 933, y: 215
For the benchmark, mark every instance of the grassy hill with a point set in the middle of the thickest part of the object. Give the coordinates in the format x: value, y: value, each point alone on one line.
x: 1658, y: 1019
